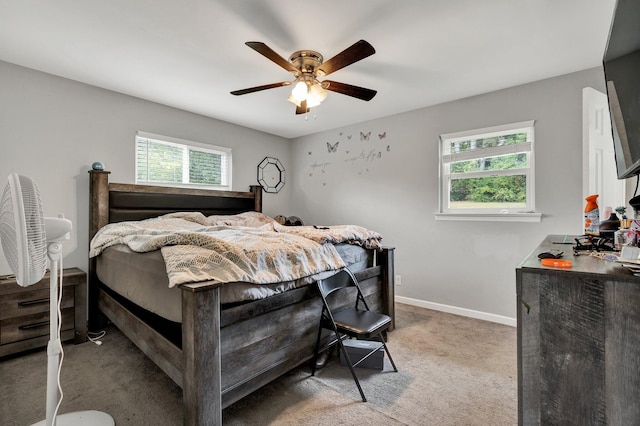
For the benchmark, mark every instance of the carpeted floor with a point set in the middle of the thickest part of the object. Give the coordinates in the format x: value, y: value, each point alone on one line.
x: 452, y: 371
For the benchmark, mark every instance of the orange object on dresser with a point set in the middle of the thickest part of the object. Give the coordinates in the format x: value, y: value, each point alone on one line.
x: 591, y: 216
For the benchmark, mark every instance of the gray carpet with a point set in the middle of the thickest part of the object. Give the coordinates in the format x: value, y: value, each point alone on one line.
x: 452, y: 371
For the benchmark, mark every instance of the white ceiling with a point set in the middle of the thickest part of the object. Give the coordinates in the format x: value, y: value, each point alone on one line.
x: 190, y: 54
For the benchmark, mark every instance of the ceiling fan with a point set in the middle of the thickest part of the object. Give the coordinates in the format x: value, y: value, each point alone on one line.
x: 307, y: 66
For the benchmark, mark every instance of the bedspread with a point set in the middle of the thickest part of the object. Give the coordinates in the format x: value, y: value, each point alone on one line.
x: 194, y: 250
x: 335, y: 234
x: 351, y: 234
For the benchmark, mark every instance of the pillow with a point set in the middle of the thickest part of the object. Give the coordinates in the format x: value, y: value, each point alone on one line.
x: 250, y: 219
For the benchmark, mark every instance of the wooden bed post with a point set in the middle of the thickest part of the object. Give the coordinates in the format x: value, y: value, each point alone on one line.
x: 201, y: 377
x: 98, y: 217
x: 386, y: 261
x: 257, y: 191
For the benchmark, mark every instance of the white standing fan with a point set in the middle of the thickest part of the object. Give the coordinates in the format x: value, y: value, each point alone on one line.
x: 28, y: 239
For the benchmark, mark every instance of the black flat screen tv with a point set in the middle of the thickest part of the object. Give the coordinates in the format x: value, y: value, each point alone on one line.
x: 622, y: 76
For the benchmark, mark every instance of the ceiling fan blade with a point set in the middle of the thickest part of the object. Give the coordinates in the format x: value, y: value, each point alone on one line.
x: 351, y: 54
x: 302, y: 109
x: 349, y: 90
x: 270, y: 54
x: 259, y: 88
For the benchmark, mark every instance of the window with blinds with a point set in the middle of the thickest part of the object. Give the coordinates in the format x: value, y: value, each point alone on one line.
x: 163, y: 160
x: 488, y: 170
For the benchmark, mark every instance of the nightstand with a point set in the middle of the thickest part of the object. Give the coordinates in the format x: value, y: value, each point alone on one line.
x: 24, y: 312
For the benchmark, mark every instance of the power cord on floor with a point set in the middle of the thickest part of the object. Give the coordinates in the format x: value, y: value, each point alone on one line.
x: 96, y: 336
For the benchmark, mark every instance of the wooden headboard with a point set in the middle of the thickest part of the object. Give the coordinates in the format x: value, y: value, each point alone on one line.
x: 118, y: 202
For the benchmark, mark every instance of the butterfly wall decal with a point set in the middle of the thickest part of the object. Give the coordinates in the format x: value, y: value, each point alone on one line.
x: 364, y: 136
x: 332, y: 148
x: 382, y: 135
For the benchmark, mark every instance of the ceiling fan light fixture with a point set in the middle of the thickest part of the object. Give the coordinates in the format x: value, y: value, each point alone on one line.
x: 317, y: 94
x: 313, y: 102
x: 300, y: 91
x: 294, y: 101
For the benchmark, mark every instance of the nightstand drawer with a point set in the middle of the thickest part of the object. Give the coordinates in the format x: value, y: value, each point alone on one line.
x: 30, y: 326
x: 24, y: 312
x: 31, y: 302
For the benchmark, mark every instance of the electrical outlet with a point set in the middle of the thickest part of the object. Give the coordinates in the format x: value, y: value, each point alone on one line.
x: 398, y: 279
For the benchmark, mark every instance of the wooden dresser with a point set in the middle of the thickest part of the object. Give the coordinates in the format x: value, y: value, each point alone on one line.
x: 579, y: 344
x: 24, y: 312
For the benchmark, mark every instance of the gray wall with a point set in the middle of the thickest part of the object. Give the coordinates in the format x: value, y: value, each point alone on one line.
x: 52, y: 130
x: 390, y: 185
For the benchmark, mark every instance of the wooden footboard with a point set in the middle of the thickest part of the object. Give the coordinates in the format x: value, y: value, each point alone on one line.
x: 227, y: 351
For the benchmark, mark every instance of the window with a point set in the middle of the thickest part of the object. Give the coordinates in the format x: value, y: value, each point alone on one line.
x: 488, y: 172
x: 170, y: 161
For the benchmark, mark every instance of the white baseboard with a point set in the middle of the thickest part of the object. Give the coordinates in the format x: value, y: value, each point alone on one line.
x: 457, y: 311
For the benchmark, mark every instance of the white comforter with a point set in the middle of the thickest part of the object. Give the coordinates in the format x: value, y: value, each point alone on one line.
x: 250, y: 247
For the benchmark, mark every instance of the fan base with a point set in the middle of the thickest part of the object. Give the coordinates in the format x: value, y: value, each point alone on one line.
x: 82, y: 418
x: 306, y: 60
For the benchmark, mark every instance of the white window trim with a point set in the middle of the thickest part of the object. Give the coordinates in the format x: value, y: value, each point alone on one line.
x: 490, y: 217
x: 526, y: 215
x: 208, y: 147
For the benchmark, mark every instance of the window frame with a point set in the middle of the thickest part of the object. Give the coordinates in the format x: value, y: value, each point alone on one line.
x: 526, y: 213
x: 225, y: 152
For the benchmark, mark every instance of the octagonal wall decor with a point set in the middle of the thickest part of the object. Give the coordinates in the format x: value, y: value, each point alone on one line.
x: 271, y: 174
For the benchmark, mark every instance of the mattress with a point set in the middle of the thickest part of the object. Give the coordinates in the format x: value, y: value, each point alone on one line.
x: 142, y: 279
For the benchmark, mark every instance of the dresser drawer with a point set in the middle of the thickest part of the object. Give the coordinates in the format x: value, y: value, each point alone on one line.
x: 24, y: 312
x: 31, y: 302
x: 30, y: 326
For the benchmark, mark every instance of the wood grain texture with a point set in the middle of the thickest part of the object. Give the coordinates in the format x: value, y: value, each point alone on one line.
x: 24, y: 312
x: 98, y: 217
x: 622, y: 353
x: 162, y: 352
x: 528, y: 348
x: 80, y: 311
x: 201, y: 379
x: 386, y: 260
x: 572, y: 351
x: 578, y: 357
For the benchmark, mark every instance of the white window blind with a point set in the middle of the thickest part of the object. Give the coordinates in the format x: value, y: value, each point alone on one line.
x: 172, y: 161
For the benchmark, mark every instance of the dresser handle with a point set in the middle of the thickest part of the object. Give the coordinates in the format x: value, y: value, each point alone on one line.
x: 34, y: 325
x: 33, y: 302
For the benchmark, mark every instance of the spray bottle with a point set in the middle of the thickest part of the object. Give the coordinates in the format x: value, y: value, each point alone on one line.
x: 592, y: 216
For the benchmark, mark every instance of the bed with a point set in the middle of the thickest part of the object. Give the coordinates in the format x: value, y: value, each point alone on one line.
x: 217, y: 351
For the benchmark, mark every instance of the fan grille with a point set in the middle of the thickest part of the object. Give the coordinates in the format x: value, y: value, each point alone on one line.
x: 22, y: 231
